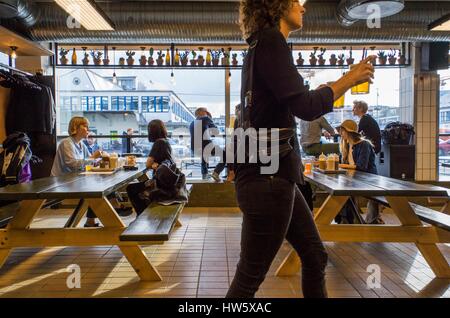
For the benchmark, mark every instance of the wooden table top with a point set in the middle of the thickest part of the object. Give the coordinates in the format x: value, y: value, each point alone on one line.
x: 71, y: 186
x: 365, y: 184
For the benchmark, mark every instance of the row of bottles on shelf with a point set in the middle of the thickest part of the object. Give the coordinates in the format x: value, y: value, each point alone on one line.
x: 221, y: 57
x: 183, y: 58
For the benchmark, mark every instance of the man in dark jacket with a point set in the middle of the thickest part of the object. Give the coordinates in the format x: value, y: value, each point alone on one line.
x: 204, y: 118
x: 367, y: 126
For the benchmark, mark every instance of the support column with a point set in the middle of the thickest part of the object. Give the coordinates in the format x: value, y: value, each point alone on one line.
x: 419, y: 105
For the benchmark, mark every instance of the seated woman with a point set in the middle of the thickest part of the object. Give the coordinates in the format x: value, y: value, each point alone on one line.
x: 168, y: 182
x: 72, y: 155
x: 358, y: 153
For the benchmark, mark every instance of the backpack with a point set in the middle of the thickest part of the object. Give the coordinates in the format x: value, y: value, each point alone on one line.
x: 397, y: 133
x: 15, y: 159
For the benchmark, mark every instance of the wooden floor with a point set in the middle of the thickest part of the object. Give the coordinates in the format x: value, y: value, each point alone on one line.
x: 200, y: 260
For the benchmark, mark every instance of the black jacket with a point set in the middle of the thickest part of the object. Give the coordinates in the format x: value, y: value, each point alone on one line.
x: 279, y: 94
x: 368, y: 127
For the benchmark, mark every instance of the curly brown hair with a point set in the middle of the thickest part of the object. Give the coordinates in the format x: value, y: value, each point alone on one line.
x: 255, y: 15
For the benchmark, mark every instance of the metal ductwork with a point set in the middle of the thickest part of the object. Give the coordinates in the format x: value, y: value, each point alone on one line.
x: 23, y: 11
x: 350, y: 11
x: 217, y: 22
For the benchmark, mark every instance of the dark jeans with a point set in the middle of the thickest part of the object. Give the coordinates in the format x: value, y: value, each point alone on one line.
x: 220, y: 166
x: 307, y: 193
x: 133, y: 191
x: 273, y: 209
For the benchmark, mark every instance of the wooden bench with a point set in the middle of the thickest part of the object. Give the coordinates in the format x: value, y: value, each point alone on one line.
x: 155, y: 223
x: 425, y: 214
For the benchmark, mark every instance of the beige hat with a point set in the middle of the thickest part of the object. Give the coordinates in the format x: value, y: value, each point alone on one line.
x: 349, y: 125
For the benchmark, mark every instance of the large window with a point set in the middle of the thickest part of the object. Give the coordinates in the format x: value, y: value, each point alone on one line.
x: 383, y: 98
x: 94, y: 103
x: 146, y: 93
x: 125, y: 103
x: 444, y: 125
x: 155, y: 104
x: 113, y: 109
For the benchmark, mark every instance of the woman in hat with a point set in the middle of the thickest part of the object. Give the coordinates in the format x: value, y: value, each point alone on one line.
x: 358, y: 153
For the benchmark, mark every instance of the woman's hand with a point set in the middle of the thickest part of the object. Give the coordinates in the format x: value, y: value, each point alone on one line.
x: 155, y: 166
x: 362, y: 72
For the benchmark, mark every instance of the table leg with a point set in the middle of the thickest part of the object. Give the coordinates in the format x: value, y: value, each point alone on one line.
x: 290, y: 265
x: 4, y: 253
x: 329, y: 209
x: 22, y: 220
x: 77, y: 214
x: 139, y: 261
x: 430, y: 252
x: 27, y: 211
x: 134, y: 254
x: 446, y: 208
x: 325, y: 215
x: 435, y: 259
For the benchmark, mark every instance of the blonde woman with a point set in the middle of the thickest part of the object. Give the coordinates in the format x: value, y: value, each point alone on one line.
x: 72, y: 155
x: 358, y: 153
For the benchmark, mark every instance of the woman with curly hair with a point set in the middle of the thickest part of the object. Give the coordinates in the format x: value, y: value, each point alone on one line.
x: 272, y: 95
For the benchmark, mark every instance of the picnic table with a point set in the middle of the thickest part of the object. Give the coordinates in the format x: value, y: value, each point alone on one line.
x: 94, y: 189
x: 341, y: 187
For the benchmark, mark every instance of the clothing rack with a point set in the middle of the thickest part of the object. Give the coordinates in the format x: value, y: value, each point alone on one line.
x: 9, y: 68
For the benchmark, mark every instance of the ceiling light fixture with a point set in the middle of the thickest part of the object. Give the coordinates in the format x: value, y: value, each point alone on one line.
x: 88, y: 14
x: 172, y: 79
x: 13, y: 52
x: 114, y: 78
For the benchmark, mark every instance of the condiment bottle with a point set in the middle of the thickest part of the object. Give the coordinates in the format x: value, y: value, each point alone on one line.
x: 322, y: 161
x: 336, y: 161
x: 330, y: 163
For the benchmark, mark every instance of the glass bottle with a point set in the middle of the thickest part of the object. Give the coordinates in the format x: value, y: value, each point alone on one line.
x: 208, y: 57
x: 177, y: 57
x: 168, y: 57
x: 74, y: 57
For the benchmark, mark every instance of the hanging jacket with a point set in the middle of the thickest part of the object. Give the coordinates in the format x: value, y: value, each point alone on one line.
x: 31, y: 107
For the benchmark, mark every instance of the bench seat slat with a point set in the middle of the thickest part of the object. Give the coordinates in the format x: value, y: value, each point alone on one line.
x: 425, y: 214
x: 155, y: 223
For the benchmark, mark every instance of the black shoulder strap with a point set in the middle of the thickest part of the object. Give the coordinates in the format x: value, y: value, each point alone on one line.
x: 246, y: 104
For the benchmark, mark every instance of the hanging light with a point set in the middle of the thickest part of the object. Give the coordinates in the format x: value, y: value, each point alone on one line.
x: 114, y: 78
x: 229, y: 77
x: 13, y: 52
x: 172, y: 79
x: 88, y: 14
